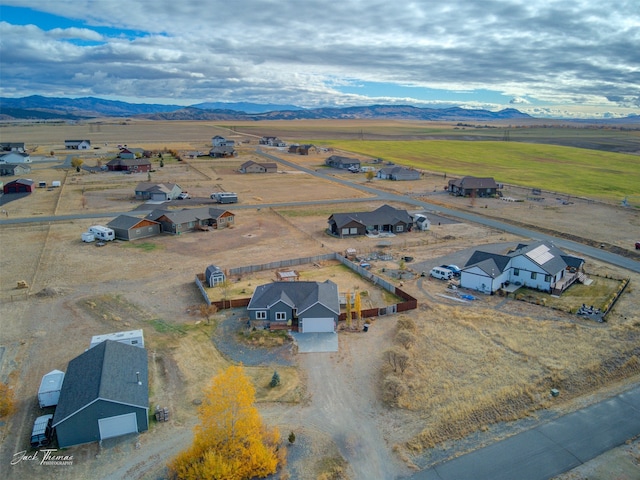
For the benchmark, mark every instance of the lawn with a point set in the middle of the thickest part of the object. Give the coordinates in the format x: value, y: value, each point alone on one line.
x: 575, y: 171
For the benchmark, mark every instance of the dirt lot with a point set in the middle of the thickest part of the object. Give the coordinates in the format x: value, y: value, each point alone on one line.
x: 332, y: 401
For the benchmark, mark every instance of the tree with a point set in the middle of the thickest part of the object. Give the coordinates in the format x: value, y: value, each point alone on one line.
x: 292, y: 438
x: 397, y: 358
x: 406, y: 338
x: 275, y: 379
x: 230, y: 442
x: 370, y: 175
x: 357, y: 306
x: 76, y: 162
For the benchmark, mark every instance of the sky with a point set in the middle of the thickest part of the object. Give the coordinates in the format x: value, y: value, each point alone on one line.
x: 547, y: 58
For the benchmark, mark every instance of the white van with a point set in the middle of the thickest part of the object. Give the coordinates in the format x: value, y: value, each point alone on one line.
x: 441, y: 273
x: 105, y: 234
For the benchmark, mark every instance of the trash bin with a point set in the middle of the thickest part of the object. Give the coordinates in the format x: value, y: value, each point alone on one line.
x: 365, y: 328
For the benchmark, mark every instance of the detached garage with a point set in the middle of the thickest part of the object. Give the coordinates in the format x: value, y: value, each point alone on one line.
x: 20, y: 185
x: 105, y: 394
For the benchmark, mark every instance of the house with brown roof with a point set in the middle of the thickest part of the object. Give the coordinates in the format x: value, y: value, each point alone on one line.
x: 190, y: 219
x: 302, y: 149
x: 133, y: 165
x: 473, y: 187
x: 255, y: 167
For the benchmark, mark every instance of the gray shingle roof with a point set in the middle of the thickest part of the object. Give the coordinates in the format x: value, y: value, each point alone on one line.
x: 298, y: 295
x: 384, y: 215
x: 125, y: 222
x: 187, y: 214
x: 108, y: 372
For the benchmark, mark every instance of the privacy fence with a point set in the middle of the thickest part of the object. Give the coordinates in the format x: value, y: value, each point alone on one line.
x: 408, y: 303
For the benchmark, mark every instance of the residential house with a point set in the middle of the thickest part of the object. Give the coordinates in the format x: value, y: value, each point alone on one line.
x: 540, y: 266
x: 15, y: 157
x: 159, y: 192
x: 130, y: 153
x: 133, y: 165
x: 14, y: 169
x: 11, y: 146
x: 337, y: 161
x: 303, y: 149
x: 127, y: 227
x: 383, y: 219
x: 398, y: 173
x: 478, y: 187
x: 262, y: 167
x: 214, y: 275
x: 105, y: 394
x: 272, y: 142
x: 219, y: 141
x: 21, y: 185
x: 77, y: 144
x: 304, y: 306
x: 190, y: 219
x: 223, y: 151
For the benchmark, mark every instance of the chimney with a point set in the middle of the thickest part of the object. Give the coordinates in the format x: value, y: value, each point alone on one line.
x: 138, y: 377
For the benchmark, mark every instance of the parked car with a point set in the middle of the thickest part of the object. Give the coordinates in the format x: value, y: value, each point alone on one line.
x: 184, y: 196
x: 637, y: 245
x: 453, y: 268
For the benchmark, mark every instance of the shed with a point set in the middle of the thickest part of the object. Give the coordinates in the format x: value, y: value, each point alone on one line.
x: 287, y: 276
x: 130, y: 337
x: 105, y: 394
x: 214, y: 275
x: 50, y: 386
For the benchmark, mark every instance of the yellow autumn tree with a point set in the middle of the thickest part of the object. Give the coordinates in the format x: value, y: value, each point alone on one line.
x: 230, y: 442
x: 357, y: 306
x: 348, y: 309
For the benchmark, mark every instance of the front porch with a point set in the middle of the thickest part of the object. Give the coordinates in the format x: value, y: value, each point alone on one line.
x: 561, y: 285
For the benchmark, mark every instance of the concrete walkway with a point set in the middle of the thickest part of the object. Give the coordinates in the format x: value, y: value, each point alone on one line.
x: 549, y: 449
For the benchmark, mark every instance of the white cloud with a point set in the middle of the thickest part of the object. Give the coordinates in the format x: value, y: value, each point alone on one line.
x: 582, y: 53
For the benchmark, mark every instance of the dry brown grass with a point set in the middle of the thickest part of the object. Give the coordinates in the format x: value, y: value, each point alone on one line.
x: 492, y: 367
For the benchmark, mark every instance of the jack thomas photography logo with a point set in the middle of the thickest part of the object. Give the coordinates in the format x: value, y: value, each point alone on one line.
x: 43, y: 457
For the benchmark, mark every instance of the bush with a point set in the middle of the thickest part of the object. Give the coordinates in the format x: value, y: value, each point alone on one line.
x: 7, y: 401
x: 275, y: 380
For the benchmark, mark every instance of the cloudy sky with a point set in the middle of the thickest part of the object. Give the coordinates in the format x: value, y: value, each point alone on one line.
x: 569, y: 58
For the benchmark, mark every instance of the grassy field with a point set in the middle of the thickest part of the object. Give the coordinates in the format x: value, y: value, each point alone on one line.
x: 575, y: 171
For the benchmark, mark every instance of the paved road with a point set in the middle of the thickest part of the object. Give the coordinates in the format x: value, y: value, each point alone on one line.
x: 549, y: 449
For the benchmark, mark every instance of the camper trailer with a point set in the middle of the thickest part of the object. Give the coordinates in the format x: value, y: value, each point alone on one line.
x: 102, y: 233
x: 42, y: 432
x: 50, y: 386
x: 225, y: 197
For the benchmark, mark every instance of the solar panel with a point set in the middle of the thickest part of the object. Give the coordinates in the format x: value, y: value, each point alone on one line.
x: 540, y: 254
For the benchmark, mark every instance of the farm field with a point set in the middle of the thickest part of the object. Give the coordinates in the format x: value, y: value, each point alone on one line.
x: 478, y: 371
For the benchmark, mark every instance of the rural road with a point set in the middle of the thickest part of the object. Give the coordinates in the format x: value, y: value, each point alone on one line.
x: 551, y: 448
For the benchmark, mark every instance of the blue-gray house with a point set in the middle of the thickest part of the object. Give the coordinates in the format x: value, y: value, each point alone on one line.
x: 105, y: 394
x: 309, y: 306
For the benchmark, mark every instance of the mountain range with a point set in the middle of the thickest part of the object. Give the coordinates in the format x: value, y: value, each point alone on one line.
x: 37, y: 107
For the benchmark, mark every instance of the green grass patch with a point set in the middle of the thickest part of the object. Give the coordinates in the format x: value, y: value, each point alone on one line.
x: 574, y: 171
x: 161, y: 326
x: 144, y: 246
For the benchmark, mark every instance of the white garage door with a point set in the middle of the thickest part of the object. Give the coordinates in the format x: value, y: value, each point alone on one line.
x: 315, y: 325
x: 118, y: 425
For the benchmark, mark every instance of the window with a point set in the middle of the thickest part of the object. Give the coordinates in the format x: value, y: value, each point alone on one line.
x: 345, y: 231
x: 547, y: 278
x: 399, y: 228
x: 281, y: 316
x: 353, y: 230
x: 534, y: 275
x: 261, y: 315
x: 516, y: 272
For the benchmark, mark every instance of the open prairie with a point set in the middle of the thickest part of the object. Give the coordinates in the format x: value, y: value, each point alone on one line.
x: 478, y: 370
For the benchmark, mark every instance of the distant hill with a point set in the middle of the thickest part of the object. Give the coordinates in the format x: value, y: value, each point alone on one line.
x: 37, y: 106
x: 245, y: 107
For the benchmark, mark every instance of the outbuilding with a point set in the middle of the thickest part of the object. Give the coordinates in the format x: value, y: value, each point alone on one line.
x: 50, y: 386
x: 105, y: 394
x: 214, y: 275
x: 20, y: 185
